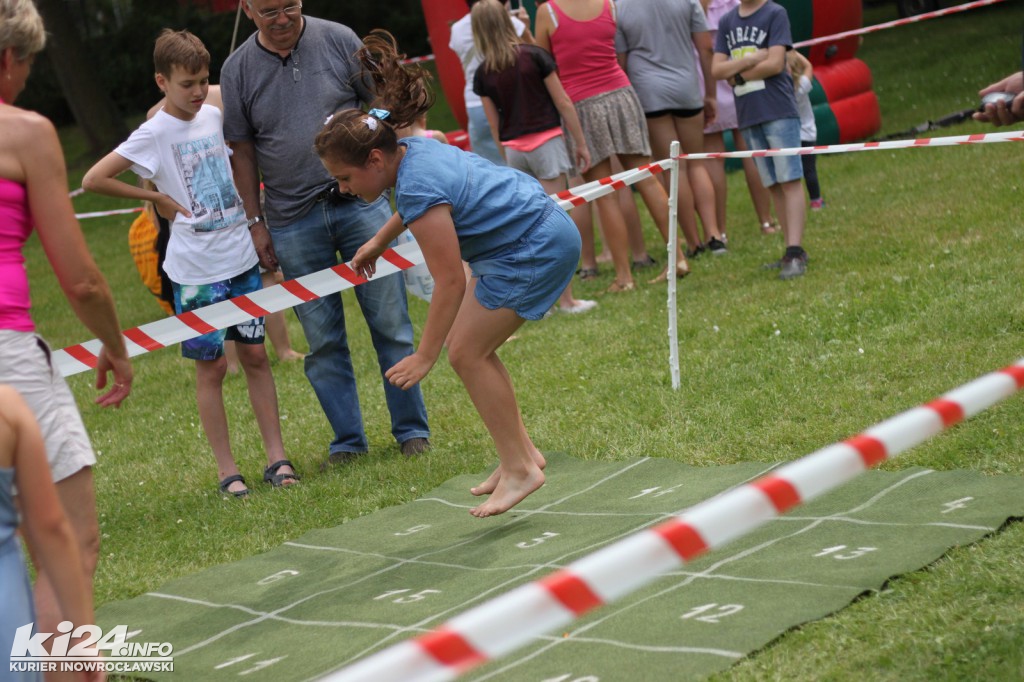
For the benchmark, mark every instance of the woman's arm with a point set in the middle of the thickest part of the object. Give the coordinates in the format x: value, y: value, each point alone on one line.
x: 544, y: 27
x: 435, y: 233
x: 705, y: 52
x: 80, y: 279
x: 46, y: 529
x: 570, y: 118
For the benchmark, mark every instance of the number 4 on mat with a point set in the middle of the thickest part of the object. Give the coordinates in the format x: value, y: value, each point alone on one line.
x: 422, y: 594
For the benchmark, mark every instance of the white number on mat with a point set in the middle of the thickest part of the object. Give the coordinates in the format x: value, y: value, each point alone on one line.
x: 852, y: 554
x: 419, y: 596
x: 565, y: 678
x: 956, y: 504
x: 277, y: 576
x: 258, y: 665
x: 414, y: 529
x: 658, y: 492
x: 536, y: 541
x: 717, y: 611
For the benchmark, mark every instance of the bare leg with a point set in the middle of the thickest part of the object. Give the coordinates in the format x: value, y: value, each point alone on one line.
x: 759, y: 194
x: 583, y: 217
x: 714, y: 142
x: 263, y: 398
x: 634, y: 228
x: 790, y: 195
x: 690, y: 133
x: 78, y: 498
x: 613, y: 226
x: 475, y: 336
x: 662, y: 132
x: 210, y: 401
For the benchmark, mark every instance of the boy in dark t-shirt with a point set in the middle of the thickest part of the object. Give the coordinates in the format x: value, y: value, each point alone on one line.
x: 750, y: 52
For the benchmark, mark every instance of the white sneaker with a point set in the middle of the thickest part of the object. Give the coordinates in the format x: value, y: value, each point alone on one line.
x: 581, y: 306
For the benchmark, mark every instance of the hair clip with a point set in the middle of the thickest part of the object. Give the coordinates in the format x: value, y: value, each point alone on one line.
x: 328, y: 119
x: 370, y: 122
x: 379, y: 113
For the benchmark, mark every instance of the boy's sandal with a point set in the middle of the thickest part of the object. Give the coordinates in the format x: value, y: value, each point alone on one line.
x: 615, y: 287
x: 224, y: 484
x: 277, y: 480
x: 588, y: 273
x: 769, y: 228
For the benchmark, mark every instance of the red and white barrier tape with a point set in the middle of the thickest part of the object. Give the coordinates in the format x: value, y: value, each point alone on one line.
x: 171, y: 330
x: 165, y: 332
x: 515, y: 619
x: 978, y: 138
x: 417, y: 60
x: 898, y: 22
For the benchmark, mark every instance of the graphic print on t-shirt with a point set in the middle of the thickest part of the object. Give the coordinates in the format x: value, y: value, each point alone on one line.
x: 204, y: 170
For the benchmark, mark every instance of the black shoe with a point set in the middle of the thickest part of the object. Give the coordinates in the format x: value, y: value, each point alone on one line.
x: 414, y: 446
x: 338, y: 459
x: 645, y: 262
x: 717, y: 246
x: 693, y: 253
x: 792, y: 267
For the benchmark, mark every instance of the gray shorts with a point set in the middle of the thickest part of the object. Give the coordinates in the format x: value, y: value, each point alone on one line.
x: 25, y: 366
x: 546, y: 162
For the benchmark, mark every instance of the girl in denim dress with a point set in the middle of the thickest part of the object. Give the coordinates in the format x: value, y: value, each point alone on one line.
x: 521, y: 246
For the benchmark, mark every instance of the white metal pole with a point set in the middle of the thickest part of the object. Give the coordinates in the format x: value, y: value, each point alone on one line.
x: 673, y: 239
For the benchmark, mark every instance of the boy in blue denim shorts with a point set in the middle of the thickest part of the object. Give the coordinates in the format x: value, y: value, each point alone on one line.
x: 750, y: 52
x: 210, y: 255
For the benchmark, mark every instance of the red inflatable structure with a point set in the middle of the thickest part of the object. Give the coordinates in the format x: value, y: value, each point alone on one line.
x: 845, y: 106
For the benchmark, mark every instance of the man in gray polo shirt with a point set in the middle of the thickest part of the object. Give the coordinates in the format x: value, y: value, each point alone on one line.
x: 278, y: 88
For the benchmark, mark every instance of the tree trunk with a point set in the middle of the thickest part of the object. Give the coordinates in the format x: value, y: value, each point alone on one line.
x: 92, y: 107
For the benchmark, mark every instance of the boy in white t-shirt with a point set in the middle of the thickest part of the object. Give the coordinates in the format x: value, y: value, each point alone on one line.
x: 210, y: 256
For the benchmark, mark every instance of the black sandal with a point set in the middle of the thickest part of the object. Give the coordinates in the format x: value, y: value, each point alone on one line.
x: 223, y: 486
x: 277, y: 480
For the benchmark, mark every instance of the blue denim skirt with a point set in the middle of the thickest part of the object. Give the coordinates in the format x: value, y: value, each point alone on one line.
x: 529, y: 275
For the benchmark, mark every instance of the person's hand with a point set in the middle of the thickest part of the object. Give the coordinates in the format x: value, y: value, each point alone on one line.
x: 1001, y: 113
x: 121, y: 368
x: 582, y: 159
x: 168, y: 208
x: 264, y: 245
x: 521, y: 14
x: 365, y: 260
x: 408, y: 371
x: 710, y: 110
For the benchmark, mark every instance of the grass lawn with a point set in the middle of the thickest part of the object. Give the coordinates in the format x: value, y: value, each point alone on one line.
x: 913, y: 289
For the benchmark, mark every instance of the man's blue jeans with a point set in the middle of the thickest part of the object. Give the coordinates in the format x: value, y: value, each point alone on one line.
x: 312, y: 243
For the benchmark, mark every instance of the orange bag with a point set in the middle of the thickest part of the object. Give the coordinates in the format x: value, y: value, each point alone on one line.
x: 142, y: 236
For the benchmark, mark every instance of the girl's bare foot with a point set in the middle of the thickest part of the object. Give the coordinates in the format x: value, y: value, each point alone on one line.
x: 488, y: 486
x: 511, y: 490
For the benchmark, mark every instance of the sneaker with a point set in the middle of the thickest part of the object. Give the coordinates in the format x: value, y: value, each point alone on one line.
x: 792, y: 266
x: 693, y: 253
x: 415, y: 446
x: 717, y: 246
x: 581, y: 306
x: 817, y: 204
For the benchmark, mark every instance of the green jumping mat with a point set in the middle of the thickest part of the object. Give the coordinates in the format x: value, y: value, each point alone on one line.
x: 334, y: 595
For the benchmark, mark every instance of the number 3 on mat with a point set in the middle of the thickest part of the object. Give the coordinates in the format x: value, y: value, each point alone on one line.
x: 536, y: 541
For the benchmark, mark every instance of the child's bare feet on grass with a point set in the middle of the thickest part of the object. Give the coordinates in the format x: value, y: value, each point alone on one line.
x: 488, y: 486
x: 510, y: 491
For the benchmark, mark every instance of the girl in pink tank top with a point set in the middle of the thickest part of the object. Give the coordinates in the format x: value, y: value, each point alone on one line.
x: 585, y: 52
x: 15, y: 228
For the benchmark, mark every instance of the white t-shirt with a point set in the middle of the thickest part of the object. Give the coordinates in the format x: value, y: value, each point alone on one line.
x: 461, y: 43
x: 188, y: 161
x: 808, y: 127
